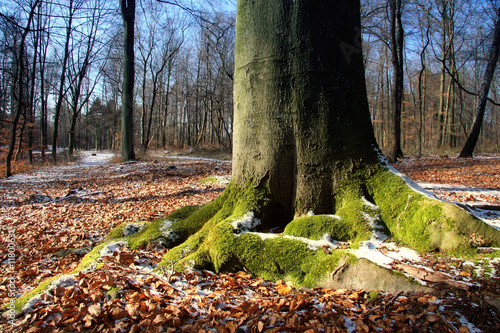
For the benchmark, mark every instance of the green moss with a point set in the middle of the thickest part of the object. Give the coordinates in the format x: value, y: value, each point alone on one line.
x: 153, y: 231
x: 182, y: 213
x: 422, y: 223
x: 373, y: 295
x: 117, y: 232
x: 210, y: 246
x: 212, y: 179
x: 315, y: 227
x: 42, y: 287
x: 114, y: 292
x: 91, y: 258
x: 351, y: 208
x: 284, y: 258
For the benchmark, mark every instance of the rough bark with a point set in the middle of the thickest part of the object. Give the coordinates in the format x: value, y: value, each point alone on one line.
x: 127, y: 134
x: 473, y: 137
x: 301, y: 118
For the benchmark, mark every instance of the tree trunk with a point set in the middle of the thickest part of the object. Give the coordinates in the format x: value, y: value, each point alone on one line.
x: 61, y: 92
x: 303, y: 142
x: 301, y: 120
x: 442, y: 81
x: 422, y: 92
x: 471, y: 142
x: 397, y: 38
x: 19, y: 105
x: 128, y: 14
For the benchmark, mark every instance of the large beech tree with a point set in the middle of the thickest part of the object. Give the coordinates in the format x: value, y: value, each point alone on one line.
x: 303, y: 142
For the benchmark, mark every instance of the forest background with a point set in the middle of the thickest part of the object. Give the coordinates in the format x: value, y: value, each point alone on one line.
x: 71, y: 62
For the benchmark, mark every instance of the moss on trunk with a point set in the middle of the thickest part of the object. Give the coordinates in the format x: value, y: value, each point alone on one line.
x: 424, y: 223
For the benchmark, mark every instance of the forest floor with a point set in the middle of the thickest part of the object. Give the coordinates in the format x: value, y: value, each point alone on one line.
x: 74, y: 206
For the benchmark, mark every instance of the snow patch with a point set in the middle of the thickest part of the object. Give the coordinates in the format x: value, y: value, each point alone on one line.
x: 246, y: 223
x: 132, y: 228
x: 166, y: 230
x: 369, y: 204
x: 350, y: 325
x: 371, y: 250
x: 110, y: 248
x: 472, y: 328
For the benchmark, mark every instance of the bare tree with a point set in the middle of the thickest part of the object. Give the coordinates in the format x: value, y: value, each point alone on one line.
x: 85, y: 54
x: 127, y: 133
x: 72, y: 7
x: 471, y: 142
x: 397, y: 40
x: 19, y: 95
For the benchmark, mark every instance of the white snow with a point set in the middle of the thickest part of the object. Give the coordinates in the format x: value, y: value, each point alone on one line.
x: 246, y: 223
x: 369, y: 204
x: 96, y: 158
x: 472, y: 328
x: 64, y: 281
x: 111, y: 247
x: 350, y: 325
x: 371, y: 250
x: 326, y: 241
x: 132, y: 228
x: 166, y: 230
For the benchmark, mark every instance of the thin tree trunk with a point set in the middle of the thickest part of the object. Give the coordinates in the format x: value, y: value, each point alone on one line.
x: 422, y: 80
x: 442, y: 80
x: 61, y: 93
x: 19, y: 94
x: 471, y: 142
x: 397, y: 38
x: 31, y: 113
x: 128, y: 14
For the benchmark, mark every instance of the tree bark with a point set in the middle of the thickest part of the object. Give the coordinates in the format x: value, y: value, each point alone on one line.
x: 397, y: 39
x: 301, y: 121
x: 127, y: 135
x: 471, y: 142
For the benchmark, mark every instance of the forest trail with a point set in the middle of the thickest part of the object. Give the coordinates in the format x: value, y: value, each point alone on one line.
x: 74, y: 206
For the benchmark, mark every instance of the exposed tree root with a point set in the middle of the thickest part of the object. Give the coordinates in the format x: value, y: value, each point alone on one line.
x: 226, y: 234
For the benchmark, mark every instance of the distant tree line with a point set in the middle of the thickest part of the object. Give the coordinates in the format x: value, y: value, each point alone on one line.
x: 62, y: 63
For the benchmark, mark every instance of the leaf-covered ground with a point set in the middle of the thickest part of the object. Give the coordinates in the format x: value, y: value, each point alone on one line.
x: 74, y: 206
